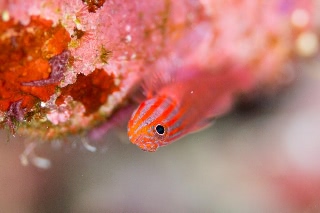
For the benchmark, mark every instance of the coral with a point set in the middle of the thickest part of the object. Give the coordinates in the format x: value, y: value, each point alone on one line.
x: 24, y: 57
x: 91, y: 90
x: 68, y: 65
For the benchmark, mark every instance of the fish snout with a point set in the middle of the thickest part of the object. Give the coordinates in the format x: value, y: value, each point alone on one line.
x: 148, y: 146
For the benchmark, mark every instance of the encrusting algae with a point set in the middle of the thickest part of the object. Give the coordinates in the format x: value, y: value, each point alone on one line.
x: 66, y: 66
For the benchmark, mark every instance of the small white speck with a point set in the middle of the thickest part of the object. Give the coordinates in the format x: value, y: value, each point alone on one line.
x: 5, y: 16
x: 128, y: 38
x: 43, y: 104
x: 307, y: 44
x: 191, y: 92
x: 133, y: 56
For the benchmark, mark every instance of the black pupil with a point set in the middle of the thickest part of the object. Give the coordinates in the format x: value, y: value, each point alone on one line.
x: 160, y: 129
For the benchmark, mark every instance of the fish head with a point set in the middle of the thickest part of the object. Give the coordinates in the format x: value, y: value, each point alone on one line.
x: 148, y: 127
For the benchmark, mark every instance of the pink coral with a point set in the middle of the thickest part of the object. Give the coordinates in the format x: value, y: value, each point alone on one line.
x: 129, y: 38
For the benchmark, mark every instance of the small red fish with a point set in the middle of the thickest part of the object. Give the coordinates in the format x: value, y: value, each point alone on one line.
x: 186, y: 103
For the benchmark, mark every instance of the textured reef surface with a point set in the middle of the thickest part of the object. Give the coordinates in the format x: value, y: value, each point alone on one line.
x: 67, y: 65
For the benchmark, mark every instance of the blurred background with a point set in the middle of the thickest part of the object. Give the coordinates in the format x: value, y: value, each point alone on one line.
x: 263, y: 157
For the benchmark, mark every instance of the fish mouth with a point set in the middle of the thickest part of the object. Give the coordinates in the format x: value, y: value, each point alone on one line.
x: 148, y: 146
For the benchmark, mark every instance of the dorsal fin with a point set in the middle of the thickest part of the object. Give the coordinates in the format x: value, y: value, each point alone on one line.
x: 153, y: 81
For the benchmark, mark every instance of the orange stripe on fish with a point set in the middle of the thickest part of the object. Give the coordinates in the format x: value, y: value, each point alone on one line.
x: 150, y: 108
x: 165, y: 113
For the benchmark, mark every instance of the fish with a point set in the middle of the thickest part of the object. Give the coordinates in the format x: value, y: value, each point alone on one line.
x: 185, y: 102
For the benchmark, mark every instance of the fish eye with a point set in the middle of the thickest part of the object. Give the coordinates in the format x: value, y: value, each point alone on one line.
x: 160, y: 129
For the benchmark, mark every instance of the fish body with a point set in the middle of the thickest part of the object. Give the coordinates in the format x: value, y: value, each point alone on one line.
x: 183, y: 105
